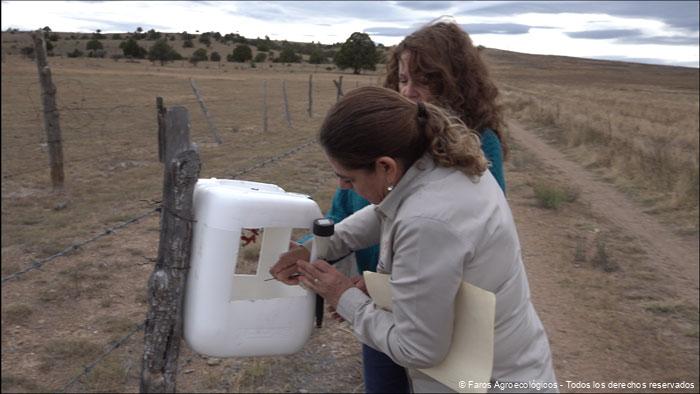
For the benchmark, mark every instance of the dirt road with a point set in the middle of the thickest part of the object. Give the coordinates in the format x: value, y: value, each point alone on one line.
x: 637, y: 323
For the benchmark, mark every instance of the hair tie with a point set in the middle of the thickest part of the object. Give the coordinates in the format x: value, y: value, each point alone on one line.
x: 422, y: 115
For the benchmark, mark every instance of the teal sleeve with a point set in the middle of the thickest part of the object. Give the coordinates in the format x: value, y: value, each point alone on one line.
x: 494, y: 154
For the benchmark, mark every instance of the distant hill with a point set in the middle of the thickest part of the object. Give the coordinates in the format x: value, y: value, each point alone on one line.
x: 66, y: 42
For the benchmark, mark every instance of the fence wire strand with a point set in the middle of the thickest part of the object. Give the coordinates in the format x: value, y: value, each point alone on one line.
x: 37, y: 264
x: 89, y: 367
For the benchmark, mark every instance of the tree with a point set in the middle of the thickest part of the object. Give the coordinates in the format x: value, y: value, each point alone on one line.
x: 200, y: 55
x: 97, y: 35
x: 215, y: 57
x: 358, y: 52
x: 76, y: 53
x: 260, y: 57
x: 317, y: 57
x: 262, y: 46
x: 204, y: 39
x: 288, y: 56
x: 242, y: 53
x: 152, y: 35
x: 162, y: 52
x: 93, y: 45
x: 132, y: 49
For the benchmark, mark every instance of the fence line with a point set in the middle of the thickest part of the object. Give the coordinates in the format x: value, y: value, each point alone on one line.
x: 89, y: 367
x: 272, y: 159
x: 37, y: 264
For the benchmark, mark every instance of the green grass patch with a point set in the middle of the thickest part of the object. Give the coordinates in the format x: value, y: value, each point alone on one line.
x: 551, y: 196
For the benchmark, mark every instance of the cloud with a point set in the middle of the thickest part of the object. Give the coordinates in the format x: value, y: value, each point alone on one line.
x: 647, y: 60
x: 389, y: 31
x: 116, y: 26
x: 633, y: 36
x: 662, y: 40
x: 328, y: 11
x: 495, y: 28
x: 680, y: 14
x: 471, y: 28
x: 425, y: 5
x: 604, y: 34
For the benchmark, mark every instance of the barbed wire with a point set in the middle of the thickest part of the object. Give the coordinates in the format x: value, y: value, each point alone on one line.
x: 37, y: 264
x: 89, y: 367
x: 272, y: 159
x: 112, y: 155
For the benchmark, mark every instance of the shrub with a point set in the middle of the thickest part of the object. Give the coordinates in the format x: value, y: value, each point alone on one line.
x: 215, y: 57
x: 187, y: 44
x: 76, y: 53
x: 260, y: 57
x: 317, y: 57
x: 93, y: 45
x: 288, y: 56
x: 204, y: 39
x: 116, y: 36
x: 28, y: 52
x: 54, y: 37
x: 263, y: 46
x: 198, y: 56
x: 97, y: 53
x: 551, y: 197
x: 162, y: 51
x: 242, y: 53
x: 152, y: 35
x: 132, y: 49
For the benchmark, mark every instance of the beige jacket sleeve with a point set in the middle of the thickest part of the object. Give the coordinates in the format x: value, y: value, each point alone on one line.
x: 357, y: 231
x: 427, y: 260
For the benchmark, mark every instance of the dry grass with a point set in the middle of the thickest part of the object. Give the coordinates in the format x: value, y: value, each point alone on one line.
x: 637, y: 124
x: 78, y: 304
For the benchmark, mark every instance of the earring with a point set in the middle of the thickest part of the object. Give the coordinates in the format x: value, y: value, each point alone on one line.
x: 390, y: 188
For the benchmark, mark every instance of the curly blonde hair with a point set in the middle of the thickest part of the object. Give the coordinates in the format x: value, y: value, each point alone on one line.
x: 371, y: 122
x: 443, y: 56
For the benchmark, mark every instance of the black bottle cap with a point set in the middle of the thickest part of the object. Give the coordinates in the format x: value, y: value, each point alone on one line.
x: 323, y: 227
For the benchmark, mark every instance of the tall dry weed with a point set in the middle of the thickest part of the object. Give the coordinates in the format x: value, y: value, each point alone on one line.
x: 650, y: 140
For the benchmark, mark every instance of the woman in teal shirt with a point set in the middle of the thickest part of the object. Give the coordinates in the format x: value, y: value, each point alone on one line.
x: 440, y: 65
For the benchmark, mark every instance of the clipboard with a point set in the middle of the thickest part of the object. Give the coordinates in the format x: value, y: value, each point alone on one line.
x: 470, y: 357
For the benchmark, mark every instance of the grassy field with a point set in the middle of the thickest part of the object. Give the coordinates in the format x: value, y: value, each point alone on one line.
x: 634, y: 125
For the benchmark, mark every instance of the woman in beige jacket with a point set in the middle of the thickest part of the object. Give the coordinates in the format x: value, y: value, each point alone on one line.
x: 440, y: 219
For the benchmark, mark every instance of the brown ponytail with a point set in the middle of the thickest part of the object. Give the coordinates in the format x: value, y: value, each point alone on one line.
x: 370, y: 122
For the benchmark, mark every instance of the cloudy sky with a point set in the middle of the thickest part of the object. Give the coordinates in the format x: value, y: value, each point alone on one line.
x: 659, y: 32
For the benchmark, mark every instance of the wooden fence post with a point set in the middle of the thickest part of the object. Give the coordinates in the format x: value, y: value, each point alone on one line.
x: 311, y: 96
x: 212, y: 128
x: 51, y: 124
x: 264, y: 106
x: 166, y: 285
x: 160, y: 116
x: 339, y: 87
x: 287, y: 117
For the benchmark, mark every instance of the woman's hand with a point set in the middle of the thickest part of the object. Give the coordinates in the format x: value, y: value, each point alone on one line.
x: 323, y: 279
x: 286, y: 265
x: 357, y: 281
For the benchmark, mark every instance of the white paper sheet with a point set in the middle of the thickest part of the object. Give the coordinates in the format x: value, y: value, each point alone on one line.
x: 471, y: 355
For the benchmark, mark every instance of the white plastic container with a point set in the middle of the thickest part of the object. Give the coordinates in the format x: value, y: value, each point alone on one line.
x: 229, y: 315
